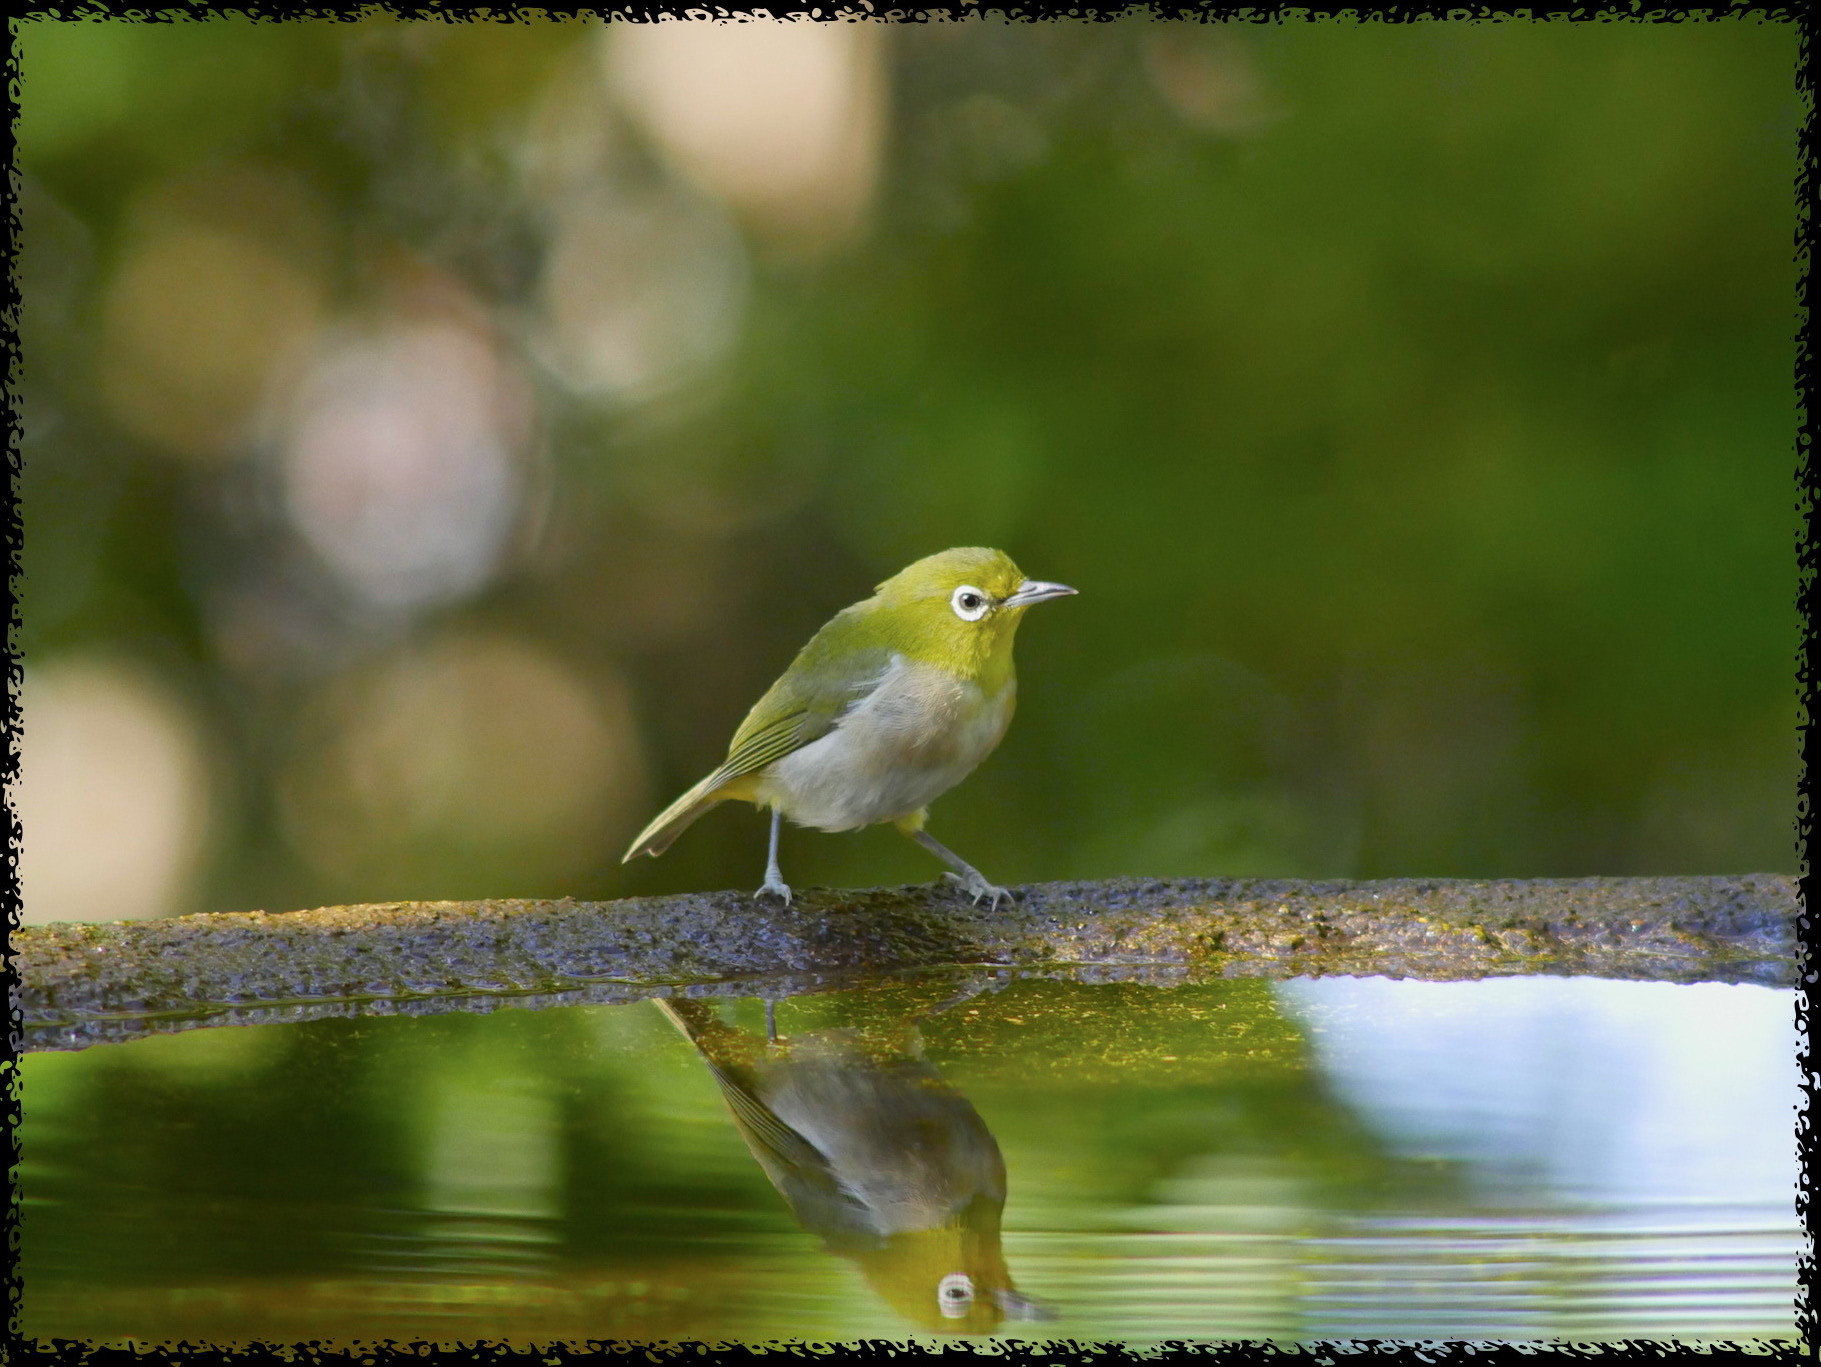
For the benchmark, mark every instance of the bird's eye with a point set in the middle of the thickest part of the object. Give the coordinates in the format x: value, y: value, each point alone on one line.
x: 969, y: 603
x: 954, y: 1293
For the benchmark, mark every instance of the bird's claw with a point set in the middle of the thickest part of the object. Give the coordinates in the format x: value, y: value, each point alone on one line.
x: 775, y: 887
x: 977, y: 887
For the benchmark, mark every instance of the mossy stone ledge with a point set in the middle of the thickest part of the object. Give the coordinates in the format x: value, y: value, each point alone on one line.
x: 86, y: 983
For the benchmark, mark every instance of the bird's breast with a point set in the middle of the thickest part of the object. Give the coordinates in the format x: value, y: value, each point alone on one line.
x: 917, y: 734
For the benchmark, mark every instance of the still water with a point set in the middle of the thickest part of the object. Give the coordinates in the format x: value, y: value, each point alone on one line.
x: 1039, y: 1157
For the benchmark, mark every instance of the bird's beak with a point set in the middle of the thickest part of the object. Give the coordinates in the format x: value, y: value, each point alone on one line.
x: 1015, y: 1305
x: 1035, y: 591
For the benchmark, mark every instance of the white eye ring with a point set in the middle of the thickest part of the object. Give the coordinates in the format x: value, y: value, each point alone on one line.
x: 970, y: 604
x: 954, y: 1294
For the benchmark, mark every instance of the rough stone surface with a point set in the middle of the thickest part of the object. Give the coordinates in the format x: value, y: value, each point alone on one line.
x: 81, y: 984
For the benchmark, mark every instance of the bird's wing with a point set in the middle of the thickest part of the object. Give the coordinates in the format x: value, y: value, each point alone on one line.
x: 759, y: 1123
x: 791, y: 1162
x: 828, y: 676
x: 803, y: 706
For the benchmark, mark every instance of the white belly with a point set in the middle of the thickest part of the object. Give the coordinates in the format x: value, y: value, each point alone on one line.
x: 915, y: 736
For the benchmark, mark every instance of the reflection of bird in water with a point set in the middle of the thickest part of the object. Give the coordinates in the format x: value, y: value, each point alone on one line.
x: 876, y: 1153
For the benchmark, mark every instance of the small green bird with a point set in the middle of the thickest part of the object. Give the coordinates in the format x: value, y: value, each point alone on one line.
x: 873, y: 1150
x: 890, y: 705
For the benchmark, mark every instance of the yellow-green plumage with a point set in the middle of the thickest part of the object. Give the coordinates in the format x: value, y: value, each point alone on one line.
x: 891, y: 703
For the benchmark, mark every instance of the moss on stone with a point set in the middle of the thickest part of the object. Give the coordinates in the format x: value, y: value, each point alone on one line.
x: 85, y: 983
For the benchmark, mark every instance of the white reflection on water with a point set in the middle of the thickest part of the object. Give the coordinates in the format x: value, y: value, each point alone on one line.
x: 1629, y: 1149
x: 1589, y: 1089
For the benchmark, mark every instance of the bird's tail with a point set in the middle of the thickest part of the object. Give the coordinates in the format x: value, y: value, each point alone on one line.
x: 675, y: 1017
x: 722, y: 1046
x: 676, y: 818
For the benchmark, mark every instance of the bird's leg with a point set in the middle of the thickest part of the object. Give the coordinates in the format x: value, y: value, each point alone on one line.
x: 771, y: 1021
x: 970, y: 879
x: 774, y: 881
x: 967, y: 994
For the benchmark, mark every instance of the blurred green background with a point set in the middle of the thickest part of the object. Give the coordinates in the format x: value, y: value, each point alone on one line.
x: 436, y: 435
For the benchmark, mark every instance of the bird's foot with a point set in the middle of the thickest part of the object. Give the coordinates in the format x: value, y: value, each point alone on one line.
x: 775, y: 887
x: 977, y: 887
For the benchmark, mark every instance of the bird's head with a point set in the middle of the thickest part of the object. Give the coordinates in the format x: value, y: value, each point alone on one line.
x: 950, y: 1278
x: 959, y: 608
